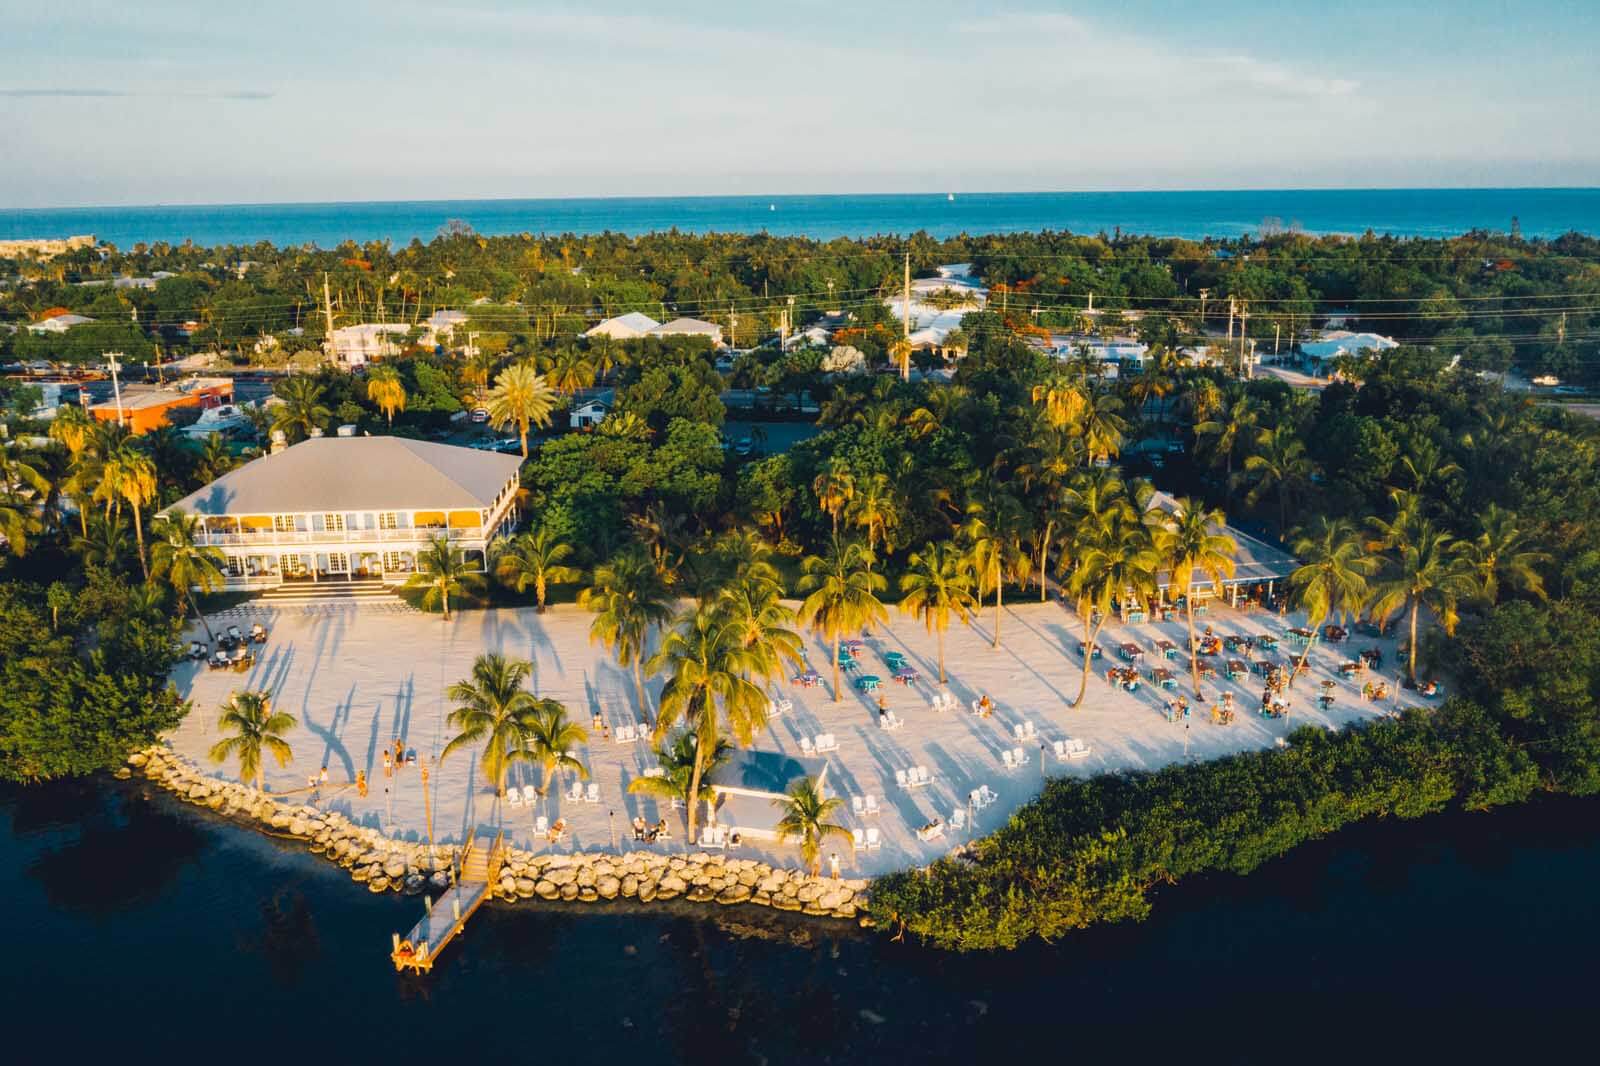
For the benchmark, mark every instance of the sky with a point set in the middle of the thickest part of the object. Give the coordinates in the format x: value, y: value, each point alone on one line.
x: 176, y: 101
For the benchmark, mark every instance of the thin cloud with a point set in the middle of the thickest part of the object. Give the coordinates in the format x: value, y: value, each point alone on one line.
x: 81, y: 94
x: 63, y: 92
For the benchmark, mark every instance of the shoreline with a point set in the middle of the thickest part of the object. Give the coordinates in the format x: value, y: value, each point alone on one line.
x: 385, y: 864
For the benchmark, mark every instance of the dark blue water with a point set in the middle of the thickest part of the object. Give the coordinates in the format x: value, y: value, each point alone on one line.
x: 141, y: 928
x: 1403, y: 212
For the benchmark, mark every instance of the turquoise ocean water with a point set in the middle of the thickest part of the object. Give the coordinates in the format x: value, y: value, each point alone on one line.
x: 1402, y: 212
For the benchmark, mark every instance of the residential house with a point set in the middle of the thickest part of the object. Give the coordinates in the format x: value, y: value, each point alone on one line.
x: 358, y: 345
x: 689, y: 327
x: 443, y: 327
x: 58, y: 323
x: 630, y: 326
x: 1334, y: 343
x: 334, y: 509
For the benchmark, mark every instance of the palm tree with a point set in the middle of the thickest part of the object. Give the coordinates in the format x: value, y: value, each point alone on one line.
x: 256, y: 727
x: 538, y: 559
x: 937, y: 584
x: 841, y: 596
x: 874, y: 510
x: 1332, y: 576
x: 1230, y: 428
x: 994, y: 549
x: 805, y: 818
x: 900, y: 355
x: 629, y: 599
x: 568, y: 371
x: 708, y: 670
x: 520, y: 397
x: 664, y: 532
x: 385, y: 389
x: 1279, y: 462
x: 1062, y: 400
x: 129, y: 476
x: 442, y: 572
x: 215, y: 459
x: 1500, y: 554
x: 1431, y: 570
x: 835, y: 488
x: 551, y: 737
x: 1191, y: 546
x: 677, y: 761
x: 73, y: 427
x: 302, y: 410
x: 492, y: 708
x: 1114, y: 559
x: 1101, y: 425
x: 178, y: 556
x: 104, y: 542
x: 753, y: 602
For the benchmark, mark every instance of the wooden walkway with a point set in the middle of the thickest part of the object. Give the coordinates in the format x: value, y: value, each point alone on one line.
x: 445, y: 917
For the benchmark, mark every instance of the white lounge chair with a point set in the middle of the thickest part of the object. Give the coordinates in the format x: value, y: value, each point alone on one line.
x: 1020, y: 755
x: 592, y: 794
x: 858, y: 806
x: 713, y: 837
x: 874, y: 838
x: 513, y: 796
x: 989, y: 795
x: 1008, y: 759
x: 859, y: 838
x: 656, y: 771
x: 623, y: 735
x: 958, y: 819
x: 1076, y: 749
x: 775, y: 708
x: 919, y: 774
x: 1028, y: 730
x: 806, y: 747
x: 826, y: 742
x: 902, y: 779
x: 575, y: 792
x: 530, y: 795
x: 541, y: 825
x: 872, y: 804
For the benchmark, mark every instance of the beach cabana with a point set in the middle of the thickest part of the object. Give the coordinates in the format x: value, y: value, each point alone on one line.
x: 1255, y: 563
x: 747, y: 785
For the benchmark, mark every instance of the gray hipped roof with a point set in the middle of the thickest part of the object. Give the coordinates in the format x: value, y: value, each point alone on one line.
x: 770, y: 772
x: 358, y: 474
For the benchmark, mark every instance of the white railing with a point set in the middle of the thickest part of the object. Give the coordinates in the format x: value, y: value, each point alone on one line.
x: 274, y: 538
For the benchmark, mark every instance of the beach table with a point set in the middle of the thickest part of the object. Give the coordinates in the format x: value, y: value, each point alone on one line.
x: 846, y: 662
x: 808, y: 679
x: 1264, y: 667
x: 1237, y: 669
x: 1094, y: 653
x: 1235, y: 642
x: 1167, y: 649
x: 1267, y: 642
x: 1164, y: 677
x: 1208, y: 672
x: 1334, y: 634
x: 1130, y: 651
x: 1301, y: 637
x: 905, y: 675
x: 894, y: 660
x: 868, y: 682
x: 1351, y: 667
x: 851, y: 647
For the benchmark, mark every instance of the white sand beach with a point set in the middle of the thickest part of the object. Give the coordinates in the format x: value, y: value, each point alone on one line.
x: 358, y: 677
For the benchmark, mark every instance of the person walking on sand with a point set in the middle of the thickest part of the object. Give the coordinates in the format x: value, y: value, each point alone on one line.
x: 386, y: 763
x: 361, y: 783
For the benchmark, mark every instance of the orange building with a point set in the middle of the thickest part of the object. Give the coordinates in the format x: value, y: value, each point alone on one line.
x: 145, y: 407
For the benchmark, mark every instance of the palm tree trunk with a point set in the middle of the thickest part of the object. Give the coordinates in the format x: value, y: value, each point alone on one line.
x: 1283, y: 508
x: 210, y: 636
x: 138, y: 533
x: 693, y: 798
x: 998, y: 582
x: 1044, y: 552
x: 941, y: 655
x: 1411, y: 652
x: 1194, y: 654
x: 1089, y: 634
x: 1316, y: 627
x: 522, y: 431
x: 638, y: 683
x: 836, y: 693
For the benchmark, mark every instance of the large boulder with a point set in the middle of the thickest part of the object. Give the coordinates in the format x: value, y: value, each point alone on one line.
x: 607, y: 886
x: 586, y: 877
x: 647, y: 890
x: 526, y: 887
x: 734, y: 893
x: 378, y: 884
x: 569, y: 891
x: 630, y: 885
x: 546, y: 889
x: 563, y: 877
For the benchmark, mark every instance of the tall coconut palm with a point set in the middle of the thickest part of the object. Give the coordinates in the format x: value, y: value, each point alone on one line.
x: 1062, y: 399
x: 900, y: 356
x: 629, y: 599
x: 1501, y: 555
x: 708, y: 670
x: 178, y: 556
x: 937, y: 584
x: 568, y: 370
x: 753, y: 603
x: 256, y: 727
x: 1332, y: 578
x: 104, y: 542
x: 73, y: 427
x: 302, y: 410
x: 551, y: 736
x: 493, y: 709
x: 805, y: 818
x: 1228, y: 428
x: 128, y: 476
x: 1192, y: 546
x: 1431, y: 570
x: 442, y: 572
x: 1102, y: 426
x: 875, y: 510
x: 1045, y: 473
x: 1114, y: 558
x: 521, y: 397
x: 991, y: 537
x: 385, y: 389
x: 1278, y: 463
x: 841, y: 596
x: 835, y: 488
x: 677, y: 761
x: 536, y: 559
x: 215, y: 459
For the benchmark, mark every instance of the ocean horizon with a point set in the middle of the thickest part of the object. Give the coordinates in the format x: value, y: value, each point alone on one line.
x: 1426, y: 213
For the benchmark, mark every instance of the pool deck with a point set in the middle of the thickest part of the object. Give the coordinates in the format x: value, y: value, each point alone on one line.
x: 356, y: 677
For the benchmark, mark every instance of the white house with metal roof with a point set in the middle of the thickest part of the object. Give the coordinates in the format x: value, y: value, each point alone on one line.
x: 340, y: 508
x: 689, y: 327
x: 630, y: 326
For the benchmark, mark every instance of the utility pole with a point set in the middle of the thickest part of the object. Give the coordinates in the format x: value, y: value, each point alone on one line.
x: 1233, y: 308
x: 1244, y: 320
x: 788, y: 322
x: 116, y: 382
x: 1203, y: 294
x: 1277, y: 330
x: 1561, y: 329
x: 906, y: 302
x: 327, y: 311
x: 831, y: 308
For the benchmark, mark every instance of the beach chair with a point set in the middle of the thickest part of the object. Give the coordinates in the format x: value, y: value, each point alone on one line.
x: 592, y: 793
x: 902, y: 779
x: 234, y: 635
x: 1021, y: 755
x: 530, y: 795
x: 714, y: 837
x: 575, y: 793
x: 874, y: 838
x: 623, y: 735
x: 858, y: 806
x: 932, y: 831
x: 806, y: 747
x: 656, y: 771
x: 958, y: 819
x: 1076, y: 749
x: 1059, y: 748
x: 1008, y: 759
x: 895, y: 722
x: 258, y: 633
x: 872, y: 804
x: 825, y: 742
x: 514, y: 796
x: 541, y: 825
x: 1029, y: 732
x: 975, y: 797
x: 920, y: 773
x: 989, y: 794
x: 859, y: 839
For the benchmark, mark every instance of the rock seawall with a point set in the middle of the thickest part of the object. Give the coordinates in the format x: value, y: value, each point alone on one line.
x: 384, y: 864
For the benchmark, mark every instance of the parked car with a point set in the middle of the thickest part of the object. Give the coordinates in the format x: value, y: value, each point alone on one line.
x: 480, y: 415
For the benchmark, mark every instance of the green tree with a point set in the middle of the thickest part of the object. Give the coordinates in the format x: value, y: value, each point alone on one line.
x: 1114, y: 559
x: 1431, y: 569
x: 178, y: 556
x: 385, y: 389
x: 1193, y: 547
x: 1332, y: 577
x: 1278, y: 463
x: 493, y: 709
x: 835, y: 488
x: 256, y: 727
x: 841, y: 596
x: 805, y: 818
x: 302, y: 410
x: 1501, y: 555
x: 551, y: 736
x: 991, y: 535
x: 129, y: 476
x: 520, y: 397
x: 628, y: 599
x: 442, y: 572
x: 677, y: 762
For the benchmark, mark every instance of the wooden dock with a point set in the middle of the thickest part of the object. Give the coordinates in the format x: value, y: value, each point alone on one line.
x: 447, y: 916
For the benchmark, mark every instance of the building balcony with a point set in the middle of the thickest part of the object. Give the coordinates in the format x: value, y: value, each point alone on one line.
x: 298, y: 538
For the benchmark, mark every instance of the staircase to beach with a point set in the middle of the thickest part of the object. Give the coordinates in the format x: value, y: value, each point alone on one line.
x: 361, y: 590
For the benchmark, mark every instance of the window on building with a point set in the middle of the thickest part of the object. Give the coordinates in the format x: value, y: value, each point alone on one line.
x: 283, y: 523
x: 388, y: 520
x: 338, y: 563
x: 333, y: 523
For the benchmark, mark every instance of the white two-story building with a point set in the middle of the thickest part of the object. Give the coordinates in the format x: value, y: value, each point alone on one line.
x: 342, y: 508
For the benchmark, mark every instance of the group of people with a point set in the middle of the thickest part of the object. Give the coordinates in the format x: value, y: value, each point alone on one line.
x: 1123, y: 677
x: 397, y: 756
x: 646, y: 833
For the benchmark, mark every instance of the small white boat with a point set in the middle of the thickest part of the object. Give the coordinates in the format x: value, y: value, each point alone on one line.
x: 949, y: 196
x: 218, y: 420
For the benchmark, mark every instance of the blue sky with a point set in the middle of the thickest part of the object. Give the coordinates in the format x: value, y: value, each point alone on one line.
x: 175, y: 101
